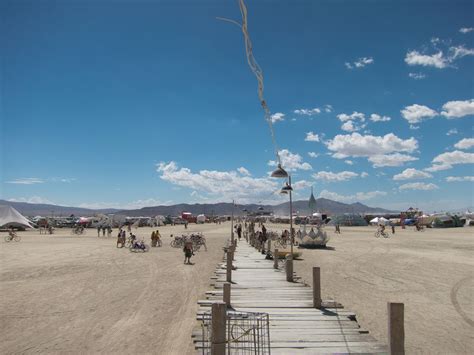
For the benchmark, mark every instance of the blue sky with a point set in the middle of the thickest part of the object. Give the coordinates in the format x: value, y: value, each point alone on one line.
x: 135, y: 103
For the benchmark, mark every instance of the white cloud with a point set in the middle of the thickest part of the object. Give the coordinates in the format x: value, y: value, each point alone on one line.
x: 349, y: 126
x: 328, y: 108
x: 395, y: 159
x: 312, y: 137
x: 349, y: 162
x: 459, y: 178
x: 359, y: 63
x: 243, y: 171
x: 26, y: 181
x: 278, y: 117
x: 410, y: 174
x: 466, y: 29
x: 359, y: 196
x: 313, y: 154
x: 465, y: 143
x: 308, y: 112
x: 417, y: 76
x: 330, y: 176
x: 33, y: 199
x: 290, y: 161
x: 459, y: 52
x: 436, y: 60
x: 418, y: 186
x: 456, y: 109
x: 221, y: 185
x: 357, y: 145
x: 446, y: 161
x: 301, y: 184
x: 352, y: 117
x: 452, y: 131
x: 377, y: 118
x: 417, y: 113
x: 364, y: 174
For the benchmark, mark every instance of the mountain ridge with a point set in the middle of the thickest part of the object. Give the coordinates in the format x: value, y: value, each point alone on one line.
x: 223, y: 208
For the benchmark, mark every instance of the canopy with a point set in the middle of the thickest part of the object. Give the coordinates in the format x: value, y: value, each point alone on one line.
x: 10, y: 217
x: 379, y: 220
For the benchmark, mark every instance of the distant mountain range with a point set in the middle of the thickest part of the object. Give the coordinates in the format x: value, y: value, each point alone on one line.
x: 301, y: 207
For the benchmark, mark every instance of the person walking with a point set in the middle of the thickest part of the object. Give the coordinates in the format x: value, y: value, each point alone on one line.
x: 158, y: 238
x: 393, y: 228
x: 188, y: 251
x: 153, y: 239
x: 239, y: 231
x: 98, y: 231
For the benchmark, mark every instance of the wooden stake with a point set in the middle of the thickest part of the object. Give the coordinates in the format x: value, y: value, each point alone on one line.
x: 226, y: 297
x: 229, y: 267
x: 396, y: 328
x: 316, y: 287
x: 289, y: 268
x: 218, y: 325
x: 275, y: 259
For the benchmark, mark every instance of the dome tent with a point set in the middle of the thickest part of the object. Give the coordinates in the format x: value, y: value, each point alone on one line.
x: 10, y: 217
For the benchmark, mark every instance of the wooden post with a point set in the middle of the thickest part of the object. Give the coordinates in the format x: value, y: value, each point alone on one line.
x: 229, y: 267
x: 218, y: 325
x: 275, y: 259
x: 316, y: 287
x: 396, y: 328
x: 226, y: 297
x: 289, y: 268
x: 269, y: 245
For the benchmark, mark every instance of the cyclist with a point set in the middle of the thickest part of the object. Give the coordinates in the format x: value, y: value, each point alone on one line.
x: 11, y: 233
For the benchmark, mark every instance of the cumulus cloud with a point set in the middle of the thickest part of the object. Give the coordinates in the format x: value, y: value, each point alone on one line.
x: 243, y: 171
x: 359, y: 196
x: 436, y: 60
x: 410, y: 174
x: 301, y: 184
x: 417, y: 76
x: 364, y: 174
x: 278, y: 117
x: 224, y: 185
x: 352, y: 117
x: 456, y: 109
x: 378, y: 118
x: 328, y: 108
x: 459, y: 178
x: 349, y: 126
x: 357, y: 145
x: 466, y: 29
x: 312, y: 137
x: 395, y: 159
x: 330, y: 176
x: 359, y: 63
x: 417, y: 113
x: 291, y: 161
x: 452, y: 131
x: 308, y: 112
x: 313, y: 154
x: 418, y: 186
x: 26, y: 181
x: 349, y: 162
x: 465, y: 143
x: 446, y: 161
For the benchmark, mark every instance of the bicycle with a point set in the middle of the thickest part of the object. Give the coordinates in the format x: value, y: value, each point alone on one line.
x: 380, y: 233
x: 11, y: 237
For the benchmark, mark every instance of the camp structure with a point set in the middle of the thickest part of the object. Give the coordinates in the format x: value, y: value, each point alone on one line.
x: 200, y: 218
x: 379, y: 221
x: 312, y: 236
x: 448, y: 221
x: 10, y: 217
x: 348, y: 219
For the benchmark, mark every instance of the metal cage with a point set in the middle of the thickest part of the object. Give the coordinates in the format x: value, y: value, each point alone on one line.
x: 246, y: 333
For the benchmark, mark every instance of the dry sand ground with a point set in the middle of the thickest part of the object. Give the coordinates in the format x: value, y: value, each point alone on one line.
x: 80, y: 294
x: 431, y: 272
x: 64, y: 293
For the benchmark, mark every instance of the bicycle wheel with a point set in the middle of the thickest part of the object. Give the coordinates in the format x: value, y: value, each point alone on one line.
x: 385, y: 235
x: 173, y: 244
x: 17, y: 238
x: 377, y: 234
x: 7, y: 238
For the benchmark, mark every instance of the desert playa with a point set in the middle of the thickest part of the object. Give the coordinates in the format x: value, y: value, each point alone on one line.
x: 64, y: 293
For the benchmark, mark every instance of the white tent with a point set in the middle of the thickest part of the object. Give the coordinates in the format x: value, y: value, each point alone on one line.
x: 379, y: 220
x: 374, y: 221
x: 10, y: 217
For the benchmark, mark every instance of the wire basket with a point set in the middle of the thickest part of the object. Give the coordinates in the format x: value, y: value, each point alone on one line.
x: 246, y: 333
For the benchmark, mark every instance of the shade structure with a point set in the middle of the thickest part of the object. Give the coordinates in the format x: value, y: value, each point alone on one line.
x: 10, y: 217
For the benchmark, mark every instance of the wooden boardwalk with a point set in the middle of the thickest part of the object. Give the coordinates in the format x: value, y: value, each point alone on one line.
x: 295, y: 326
